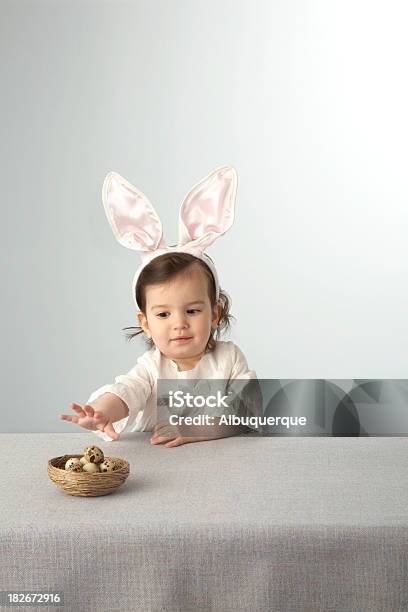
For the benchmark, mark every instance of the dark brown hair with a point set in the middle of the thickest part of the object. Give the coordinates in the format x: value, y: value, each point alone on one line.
x: 166, y: 267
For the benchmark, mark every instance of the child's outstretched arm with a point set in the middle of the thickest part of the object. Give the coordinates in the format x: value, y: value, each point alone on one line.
x: 107, y: 409
x: 114, y: 408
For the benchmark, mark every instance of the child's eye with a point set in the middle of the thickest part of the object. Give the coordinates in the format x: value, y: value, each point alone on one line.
x: 165, y: 313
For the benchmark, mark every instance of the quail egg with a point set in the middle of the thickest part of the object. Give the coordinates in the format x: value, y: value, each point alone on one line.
x: 74, y: 467
x: 93, y: 454
x: 107, y: 466
x: 71, y: 462
x: 91, y: 468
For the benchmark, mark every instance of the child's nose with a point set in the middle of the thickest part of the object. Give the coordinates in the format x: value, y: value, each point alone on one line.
x: 180, y: 321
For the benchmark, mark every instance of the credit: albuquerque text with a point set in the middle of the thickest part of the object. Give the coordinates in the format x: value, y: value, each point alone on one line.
x: 233, y: 419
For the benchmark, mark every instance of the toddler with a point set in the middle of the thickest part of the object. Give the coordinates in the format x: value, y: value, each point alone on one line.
x: 181, y: 312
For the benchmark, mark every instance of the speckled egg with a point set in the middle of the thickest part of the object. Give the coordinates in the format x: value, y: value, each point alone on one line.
x: 91, y: 468
x: 71, y: 462
x: 74, y: 467
x: 107, y: 466
x: 93, y: 454
x: 83, y: 460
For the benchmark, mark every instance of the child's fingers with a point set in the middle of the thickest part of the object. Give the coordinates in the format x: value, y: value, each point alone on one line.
x: 111, y: 432
x: 89, y: 410
x: 69, y: 417
x: 77, y: 408
x: 185, y: 440
x: 160, y: 439
x: 176, y: 442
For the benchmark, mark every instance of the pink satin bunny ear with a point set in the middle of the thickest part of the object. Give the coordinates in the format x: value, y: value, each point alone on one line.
x: 134, y: 222
x: 207, y: 211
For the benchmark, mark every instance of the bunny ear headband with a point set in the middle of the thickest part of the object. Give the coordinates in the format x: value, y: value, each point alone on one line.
x: 206, y: 213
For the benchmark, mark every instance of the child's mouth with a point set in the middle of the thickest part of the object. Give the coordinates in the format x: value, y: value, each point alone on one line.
x: 180, y: 340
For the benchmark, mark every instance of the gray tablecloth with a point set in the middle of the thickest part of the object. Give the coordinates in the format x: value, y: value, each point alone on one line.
x: 243, y: 523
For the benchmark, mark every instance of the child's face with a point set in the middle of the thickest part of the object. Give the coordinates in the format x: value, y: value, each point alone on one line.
x: 180, y: 307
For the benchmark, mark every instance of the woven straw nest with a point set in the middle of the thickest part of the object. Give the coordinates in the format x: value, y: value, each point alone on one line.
x: 84, y: 484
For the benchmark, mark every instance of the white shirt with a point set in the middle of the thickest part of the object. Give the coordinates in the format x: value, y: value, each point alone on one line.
x: 138, y: 388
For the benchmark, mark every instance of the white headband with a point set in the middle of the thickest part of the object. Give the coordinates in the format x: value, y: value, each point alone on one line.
x: 206, y: 213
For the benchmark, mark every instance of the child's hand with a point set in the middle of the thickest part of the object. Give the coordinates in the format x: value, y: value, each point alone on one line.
x: 88, y: 418
x: 164, y: 432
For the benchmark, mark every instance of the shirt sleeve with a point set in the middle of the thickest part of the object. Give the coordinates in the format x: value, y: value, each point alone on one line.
x: 246, y: 397
x: 134, y: 388
x: 239, y: 365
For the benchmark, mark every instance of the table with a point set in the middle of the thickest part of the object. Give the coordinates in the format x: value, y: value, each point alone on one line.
x: 243, y: 523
